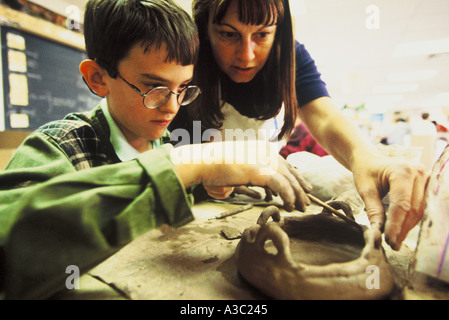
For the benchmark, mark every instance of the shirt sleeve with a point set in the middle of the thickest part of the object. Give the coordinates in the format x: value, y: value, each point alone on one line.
x: 50, y: 221
x: 309, y: 85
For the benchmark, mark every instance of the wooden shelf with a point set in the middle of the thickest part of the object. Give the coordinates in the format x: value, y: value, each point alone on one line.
x: 40, y: 27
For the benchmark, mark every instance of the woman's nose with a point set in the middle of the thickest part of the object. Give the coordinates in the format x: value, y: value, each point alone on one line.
x: 246, y: 50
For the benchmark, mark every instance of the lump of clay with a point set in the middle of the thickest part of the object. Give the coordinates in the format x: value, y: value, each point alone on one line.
x: 314, y: 256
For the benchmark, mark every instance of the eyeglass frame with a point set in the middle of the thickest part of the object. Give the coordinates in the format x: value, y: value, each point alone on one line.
x: 114, y: 74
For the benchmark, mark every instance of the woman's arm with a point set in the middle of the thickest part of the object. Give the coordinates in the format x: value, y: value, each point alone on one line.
x: 374, y: 174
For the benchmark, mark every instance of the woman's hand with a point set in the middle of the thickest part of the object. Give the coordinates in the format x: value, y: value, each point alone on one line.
x: 221, y: 166
x: 406, y: 184
x: 374, y: 174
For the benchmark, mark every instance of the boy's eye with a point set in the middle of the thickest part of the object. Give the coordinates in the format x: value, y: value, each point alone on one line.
x: 150, y: 86
x: 183, y: 88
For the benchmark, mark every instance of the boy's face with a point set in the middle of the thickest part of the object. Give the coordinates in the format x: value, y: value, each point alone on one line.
x: 145, y: 70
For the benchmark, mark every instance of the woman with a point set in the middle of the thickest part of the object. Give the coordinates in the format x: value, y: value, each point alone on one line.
x: 246, y: 71
x: 244, y: 89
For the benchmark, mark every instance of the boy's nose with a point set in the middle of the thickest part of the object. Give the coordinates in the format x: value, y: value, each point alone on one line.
x: 171, y: 106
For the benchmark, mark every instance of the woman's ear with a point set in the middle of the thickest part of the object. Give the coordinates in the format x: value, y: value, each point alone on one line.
x: 94, y: 75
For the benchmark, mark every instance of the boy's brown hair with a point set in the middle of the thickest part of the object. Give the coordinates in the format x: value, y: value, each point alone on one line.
x: 113, y: 27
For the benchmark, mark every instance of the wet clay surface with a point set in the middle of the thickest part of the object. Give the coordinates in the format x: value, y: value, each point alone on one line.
x: 314, y: 240
x: 192, y: 262
x: 320, y: 254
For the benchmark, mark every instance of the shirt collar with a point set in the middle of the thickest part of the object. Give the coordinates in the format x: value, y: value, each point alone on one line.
x: 122, y: 148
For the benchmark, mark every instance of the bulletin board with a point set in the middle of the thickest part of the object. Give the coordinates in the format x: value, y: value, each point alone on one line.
x: 41, y: 81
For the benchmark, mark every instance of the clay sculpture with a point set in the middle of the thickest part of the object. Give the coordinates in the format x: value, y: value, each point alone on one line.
x: 313, y: 256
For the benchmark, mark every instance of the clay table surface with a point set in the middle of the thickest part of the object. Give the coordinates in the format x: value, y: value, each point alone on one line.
x: 196, y: 262
x: 192, y: 262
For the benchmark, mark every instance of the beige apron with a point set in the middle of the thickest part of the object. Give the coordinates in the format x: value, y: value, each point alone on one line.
x: 237, y: 127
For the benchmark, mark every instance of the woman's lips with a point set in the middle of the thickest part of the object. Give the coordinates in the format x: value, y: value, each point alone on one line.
x: 243, y: 68
x: 243, y: 71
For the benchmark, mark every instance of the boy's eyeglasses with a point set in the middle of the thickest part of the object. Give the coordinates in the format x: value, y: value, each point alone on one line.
x: 156, y: 97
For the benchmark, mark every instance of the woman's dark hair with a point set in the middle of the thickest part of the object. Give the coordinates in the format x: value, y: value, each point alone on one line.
x: 113, y: 27
x: 275, y: 83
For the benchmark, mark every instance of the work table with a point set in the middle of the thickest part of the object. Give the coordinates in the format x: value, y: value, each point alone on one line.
x: 196, y: 262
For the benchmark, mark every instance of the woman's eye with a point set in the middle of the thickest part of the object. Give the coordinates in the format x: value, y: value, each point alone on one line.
x: 263, y: 35
x: 228, y: 35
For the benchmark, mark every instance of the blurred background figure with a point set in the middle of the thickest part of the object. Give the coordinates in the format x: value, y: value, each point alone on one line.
x: 399, y: 133
x: 302, y: 140
x: 424, y: 127
x: 439, y: 127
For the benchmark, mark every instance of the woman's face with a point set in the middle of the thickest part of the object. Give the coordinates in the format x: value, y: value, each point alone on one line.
x: 240, y: 50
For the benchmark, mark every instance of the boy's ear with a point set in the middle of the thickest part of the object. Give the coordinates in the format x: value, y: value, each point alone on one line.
x: 93, y: 74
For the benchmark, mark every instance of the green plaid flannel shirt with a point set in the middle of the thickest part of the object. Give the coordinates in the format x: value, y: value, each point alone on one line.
x: 66, y: 199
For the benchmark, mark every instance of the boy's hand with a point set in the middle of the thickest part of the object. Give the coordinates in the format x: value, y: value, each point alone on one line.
x: 220, y: 166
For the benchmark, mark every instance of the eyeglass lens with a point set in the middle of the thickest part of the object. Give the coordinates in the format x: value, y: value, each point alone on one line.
x: 160, y: 96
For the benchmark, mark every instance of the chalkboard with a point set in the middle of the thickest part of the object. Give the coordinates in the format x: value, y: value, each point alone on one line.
x: 41, y: 80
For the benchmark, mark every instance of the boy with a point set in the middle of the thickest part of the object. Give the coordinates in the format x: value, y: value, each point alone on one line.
x: 79, y: 189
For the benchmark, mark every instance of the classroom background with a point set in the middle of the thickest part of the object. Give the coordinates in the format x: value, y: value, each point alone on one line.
x: 385, y: 62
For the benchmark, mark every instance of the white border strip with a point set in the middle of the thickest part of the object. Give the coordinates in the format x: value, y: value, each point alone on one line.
x: 2, y: 100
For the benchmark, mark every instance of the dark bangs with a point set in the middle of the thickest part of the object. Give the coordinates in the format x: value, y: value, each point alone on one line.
x: 113, y: 27
x: 253, y: 12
